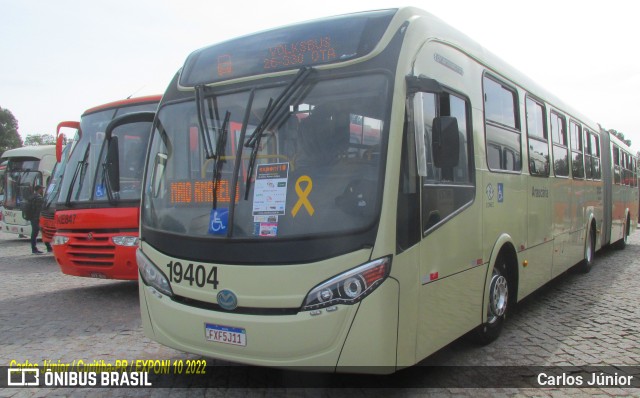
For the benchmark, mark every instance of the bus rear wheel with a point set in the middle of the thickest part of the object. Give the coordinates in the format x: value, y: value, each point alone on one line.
x: 622, y: 243
x: 589, y: 252
x: 497, y: 307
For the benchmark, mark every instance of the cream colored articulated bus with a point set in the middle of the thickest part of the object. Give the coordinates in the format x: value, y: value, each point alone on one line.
x: 353, y: 193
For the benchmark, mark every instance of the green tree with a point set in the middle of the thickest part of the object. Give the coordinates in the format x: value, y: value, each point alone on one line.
x: 620, y: 135
x: 39, y: 139
x: 9, y: 137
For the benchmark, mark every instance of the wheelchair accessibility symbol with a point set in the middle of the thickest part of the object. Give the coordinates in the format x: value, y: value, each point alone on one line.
x: 218, y: 220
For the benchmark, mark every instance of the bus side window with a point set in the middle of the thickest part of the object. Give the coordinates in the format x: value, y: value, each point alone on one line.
x: 560, y: 145
x: 448, y: 189
x: 537, y: 138
x: 502, y: 123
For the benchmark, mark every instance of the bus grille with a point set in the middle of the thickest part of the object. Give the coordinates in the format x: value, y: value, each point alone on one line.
x: 91, y: 249
x: 47, y: 227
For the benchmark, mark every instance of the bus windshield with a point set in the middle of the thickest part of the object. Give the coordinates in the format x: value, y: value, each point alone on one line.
x: 317, y: 168
x: 84, y: 180
x: 20, y: 185
x: 57, y: 175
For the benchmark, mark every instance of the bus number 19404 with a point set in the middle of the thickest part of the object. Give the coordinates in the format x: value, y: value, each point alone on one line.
x: 193, y: 274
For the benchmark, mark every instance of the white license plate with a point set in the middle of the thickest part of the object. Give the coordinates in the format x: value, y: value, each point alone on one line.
x: 225, y: 334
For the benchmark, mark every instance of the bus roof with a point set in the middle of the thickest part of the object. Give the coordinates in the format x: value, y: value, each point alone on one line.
x: 439, y: 30
x: 120, y: 103
x: 39, y: 151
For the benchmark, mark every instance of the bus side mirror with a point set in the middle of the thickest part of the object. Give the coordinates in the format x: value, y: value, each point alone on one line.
x: 60, y: 137
x: 113, y: 164
x: 445, y: 142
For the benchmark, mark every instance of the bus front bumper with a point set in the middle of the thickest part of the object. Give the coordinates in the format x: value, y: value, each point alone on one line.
x: 360, y: 338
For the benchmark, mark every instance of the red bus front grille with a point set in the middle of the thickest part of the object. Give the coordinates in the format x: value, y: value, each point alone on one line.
x: 47, y: 225
x: 47, y: 233
x: 91, y: 249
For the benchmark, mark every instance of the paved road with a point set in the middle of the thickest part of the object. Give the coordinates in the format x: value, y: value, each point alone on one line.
x: 577, y: 320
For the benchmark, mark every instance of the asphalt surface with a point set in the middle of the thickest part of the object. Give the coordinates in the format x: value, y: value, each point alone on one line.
x: 579, y: 325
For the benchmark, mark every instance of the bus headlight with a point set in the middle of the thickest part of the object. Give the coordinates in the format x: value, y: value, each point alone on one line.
x: 151, y: 275
x: 59, y: 240
x: 349, y: 287
x: 125, y: 240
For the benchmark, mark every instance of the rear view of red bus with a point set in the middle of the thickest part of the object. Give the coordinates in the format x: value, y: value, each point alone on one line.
x: 97, y: 229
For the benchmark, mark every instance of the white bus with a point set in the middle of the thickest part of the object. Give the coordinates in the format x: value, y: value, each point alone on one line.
x: 26, y: 167
x: 353, y: 193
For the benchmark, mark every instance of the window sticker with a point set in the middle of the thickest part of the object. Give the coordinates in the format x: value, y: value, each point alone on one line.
x: 266, y: 229
x: 218, y: 221
x: 266, y: 226
x: 100, y: 191
x: 270, y: 193
x: 303, y: 195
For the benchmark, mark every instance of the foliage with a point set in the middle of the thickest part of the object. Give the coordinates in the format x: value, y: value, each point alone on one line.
x: 620, y: 135
x: 9, y: 137
x: 39, y: 139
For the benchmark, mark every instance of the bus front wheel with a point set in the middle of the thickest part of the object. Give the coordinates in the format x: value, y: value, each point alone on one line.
x: 497, y: 306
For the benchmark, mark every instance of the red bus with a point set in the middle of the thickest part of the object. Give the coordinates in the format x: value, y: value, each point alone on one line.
x: 47, y: 220
x: 97, y: 229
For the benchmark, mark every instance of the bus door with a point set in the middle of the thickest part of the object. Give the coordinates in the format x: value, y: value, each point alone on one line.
x: 451, y: 275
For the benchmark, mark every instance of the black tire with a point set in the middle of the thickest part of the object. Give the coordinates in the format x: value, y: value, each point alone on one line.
x: 498, y: 306
x: 622, y: 243
x: 589, y: 252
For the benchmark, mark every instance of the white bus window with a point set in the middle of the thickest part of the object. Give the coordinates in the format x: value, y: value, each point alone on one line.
x: 616, y: 165
x: 500, y: 103
x: 560, y: 148
x: 537, y: 139
x: 502, y: 125
x: 494, y: 156
x: 577, y: 158
x: 595, y: 151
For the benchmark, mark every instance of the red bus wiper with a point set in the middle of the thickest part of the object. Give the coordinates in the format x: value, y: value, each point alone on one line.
x: 79, y: 169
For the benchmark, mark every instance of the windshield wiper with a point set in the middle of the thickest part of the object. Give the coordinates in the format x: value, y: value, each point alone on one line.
x: 210, y: 106
x: 202, y: 121
x: 220, y: 151
x: 113, y: 196
x: 238, y: 162
x: 273, y: 115
x: 79, y: 167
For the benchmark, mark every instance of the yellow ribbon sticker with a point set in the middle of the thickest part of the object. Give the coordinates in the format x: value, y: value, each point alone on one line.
x: 302, y: 196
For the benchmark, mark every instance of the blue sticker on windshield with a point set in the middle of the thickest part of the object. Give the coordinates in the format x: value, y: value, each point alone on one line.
x: 99, y: 191
x: 218, y: 221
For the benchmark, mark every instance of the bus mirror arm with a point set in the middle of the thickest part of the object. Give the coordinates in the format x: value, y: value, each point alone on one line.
x: 422, y: 83
x: 129, y: 118
x: 112, y: 161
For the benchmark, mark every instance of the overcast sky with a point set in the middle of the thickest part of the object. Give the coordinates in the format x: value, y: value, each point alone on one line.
x: 61, y: 57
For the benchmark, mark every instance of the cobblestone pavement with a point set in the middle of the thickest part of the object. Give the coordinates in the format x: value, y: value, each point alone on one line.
x: 576, y: 320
